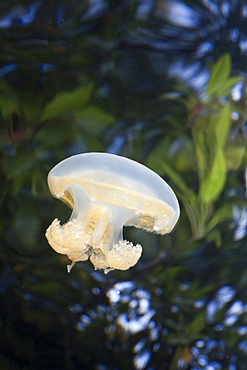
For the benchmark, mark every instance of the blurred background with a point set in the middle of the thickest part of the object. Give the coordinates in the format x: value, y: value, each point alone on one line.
x: 162, y: 82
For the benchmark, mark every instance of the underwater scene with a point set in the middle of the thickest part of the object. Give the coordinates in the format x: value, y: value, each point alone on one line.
x: 123, y: 171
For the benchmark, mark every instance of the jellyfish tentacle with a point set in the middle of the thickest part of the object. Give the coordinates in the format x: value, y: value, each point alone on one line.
x: 123, y: 255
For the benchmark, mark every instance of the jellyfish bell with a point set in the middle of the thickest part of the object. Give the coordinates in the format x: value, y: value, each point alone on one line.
x: 107, y: 192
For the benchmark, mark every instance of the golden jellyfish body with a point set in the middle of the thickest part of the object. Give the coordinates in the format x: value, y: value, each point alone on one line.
x: 107, y: 192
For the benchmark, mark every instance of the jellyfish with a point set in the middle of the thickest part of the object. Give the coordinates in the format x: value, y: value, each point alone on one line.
x: 107, y: 192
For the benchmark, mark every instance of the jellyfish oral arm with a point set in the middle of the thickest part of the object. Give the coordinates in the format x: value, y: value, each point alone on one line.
x: 94, y: 231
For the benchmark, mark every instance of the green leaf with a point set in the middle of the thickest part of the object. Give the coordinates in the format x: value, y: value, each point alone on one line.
x: 56, y: 134
x: 234, y: 156
x: 188, y: 196
x: 215, y: 237
x: 157, y: 156
x: 202, y: 136
x: 197, y: 325
x: 227, y: 87
x: 92, y: 121
x: 96, y: 113
x: 212, y: 185
x: 67, y: 102
x: 202, y: 291
x: 219, y: 74
x: 91, y: 127
x: 190, y: 201
x: 8, y: 107
x: 224, y: 213
x: 222, y: 125
x: 16, y: 166
x: 210, y: 136
x: 178, y: 181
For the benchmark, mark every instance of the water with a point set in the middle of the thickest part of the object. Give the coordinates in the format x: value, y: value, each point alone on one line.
x: 160, y: 82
